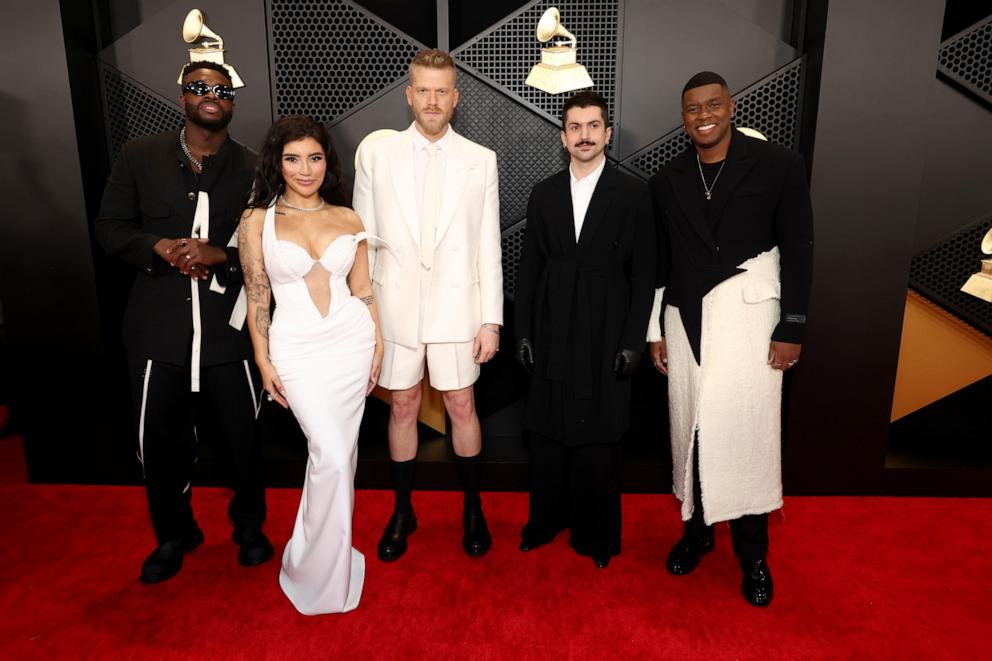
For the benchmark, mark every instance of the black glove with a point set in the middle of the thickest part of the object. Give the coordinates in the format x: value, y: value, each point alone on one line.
x: 625, y: 363
x: 525, y: 354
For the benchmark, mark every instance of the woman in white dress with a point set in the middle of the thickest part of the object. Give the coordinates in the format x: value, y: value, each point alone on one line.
x: 320, y: 357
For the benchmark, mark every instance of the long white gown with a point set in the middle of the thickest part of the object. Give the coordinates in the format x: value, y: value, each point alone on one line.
x: 323, y: 353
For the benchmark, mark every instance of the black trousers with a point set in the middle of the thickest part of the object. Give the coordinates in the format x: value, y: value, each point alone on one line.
x: 169, y: 416
x: 577, y: 488
x: 749, y: 533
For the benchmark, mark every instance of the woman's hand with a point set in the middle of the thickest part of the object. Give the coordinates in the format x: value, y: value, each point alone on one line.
x: 271, y: 383
x: 376, y: 365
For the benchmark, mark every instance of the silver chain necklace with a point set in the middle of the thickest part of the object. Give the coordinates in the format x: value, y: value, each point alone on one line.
x: 307, y: 209
x: 189, y: 154
x: 709, y: 189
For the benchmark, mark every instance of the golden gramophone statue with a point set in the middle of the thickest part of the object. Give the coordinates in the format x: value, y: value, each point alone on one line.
x: 557, y: 71
x: 980, y: 284
x: 210, y: 47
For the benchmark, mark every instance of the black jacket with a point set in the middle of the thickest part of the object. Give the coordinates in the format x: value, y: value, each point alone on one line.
x: 762, y: 201
x: 581, y: 303
x: 152, y: 194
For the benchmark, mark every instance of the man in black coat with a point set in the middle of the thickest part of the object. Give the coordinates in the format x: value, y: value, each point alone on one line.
x: 583, y: 294
x: 171, y: 209
x: 735, y: 260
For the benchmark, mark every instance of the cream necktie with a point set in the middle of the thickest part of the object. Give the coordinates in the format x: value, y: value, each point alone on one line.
x: 428, y: 217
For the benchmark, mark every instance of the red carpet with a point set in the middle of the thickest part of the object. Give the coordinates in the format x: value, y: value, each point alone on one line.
x: 876, y: 578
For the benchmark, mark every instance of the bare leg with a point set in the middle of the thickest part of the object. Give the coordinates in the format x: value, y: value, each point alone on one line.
x: 466, y: 435
x: 403, y: 423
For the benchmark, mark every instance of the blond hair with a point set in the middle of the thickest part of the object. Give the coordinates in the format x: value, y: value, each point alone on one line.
x: 434, y: 58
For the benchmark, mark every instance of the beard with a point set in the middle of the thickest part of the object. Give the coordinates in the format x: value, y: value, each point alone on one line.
x: 212, y: 123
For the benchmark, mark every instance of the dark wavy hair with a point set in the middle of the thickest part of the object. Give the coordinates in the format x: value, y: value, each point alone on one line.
x: 268, y: 172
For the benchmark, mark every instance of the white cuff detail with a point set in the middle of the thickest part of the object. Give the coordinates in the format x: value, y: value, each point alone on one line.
x: 654, y: 322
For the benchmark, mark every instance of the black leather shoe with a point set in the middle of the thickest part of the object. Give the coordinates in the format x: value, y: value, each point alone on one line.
x: 526, y: 546
x: 392, y: 544
x: 686, y: 554
x: 255, y: 547
x: 756, y: 586
x: 165, y: 561
x: 477, y: 540
x: 602, y: 560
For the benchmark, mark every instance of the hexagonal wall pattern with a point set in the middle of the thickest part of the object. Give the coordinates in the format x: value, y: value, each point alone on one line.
x: 329, y: 57
x: 939, y: 272
x: 505, y: 53
x: 770, y: 106
x: 132, y: 112
x: 527, y: 147
x: 967, y: 58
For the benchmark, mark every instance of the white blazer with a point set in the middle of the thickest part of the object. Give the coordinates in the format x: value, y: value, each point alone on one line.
x: 466, y: 287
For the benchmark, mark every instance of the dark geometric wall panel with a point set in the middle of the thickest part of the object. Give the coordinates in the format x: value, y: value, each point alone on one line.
x: 967, y: 58
x: 131, y: 112
x: 506, y: 53
x: 939, y: 272
x: 770, y: 106
x: 330, y: 56
x: 513, y: 244
x: 527, y: 147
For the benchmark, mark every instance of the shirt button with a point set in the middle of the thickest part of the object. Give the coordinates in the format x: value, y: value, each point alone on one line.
x: 191, y: 195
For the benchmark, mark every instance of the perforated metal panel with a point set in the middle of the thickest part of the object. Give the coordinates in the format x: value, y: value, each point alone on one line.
x: 967, y: 58
x: 513, y: 244
x: 131, y: 112
x: 506, y: 53
x: 527, y: 147
x: 939, y: 272
x: 770, y: 106
x: 330, y: 56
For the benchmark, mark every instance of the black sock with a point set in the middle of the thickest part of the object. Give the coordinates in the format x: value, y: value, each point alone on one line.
x: 403, y: 484
x: 469, y: 469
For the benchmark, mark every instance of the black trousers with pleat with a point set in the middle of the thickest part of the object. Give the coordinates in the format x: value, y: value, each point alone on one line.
x: 169, y: 416
x: 575, y: 487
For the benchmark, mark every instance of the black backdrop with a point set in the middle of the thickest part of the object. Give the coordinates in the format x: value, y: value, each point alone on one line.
x: 852, y: 85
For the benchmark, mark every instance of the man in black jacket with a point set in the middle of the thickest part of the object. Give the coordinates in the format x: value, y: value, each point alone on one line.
x: 583, y: 295
x: 735, y: 260
x: 171, y: 209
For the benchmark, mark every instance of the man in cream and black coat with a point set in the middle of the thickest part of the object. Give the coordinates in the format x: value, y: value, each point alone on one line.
x: 432, y: 197
x: 735, y: 259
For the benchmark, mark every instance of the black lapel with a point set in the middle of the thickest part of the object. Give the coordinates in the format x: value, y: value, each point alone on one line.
x: 739, y: 163
x: 598, y: 206
x: 561, y: 207
x: 685, y: 185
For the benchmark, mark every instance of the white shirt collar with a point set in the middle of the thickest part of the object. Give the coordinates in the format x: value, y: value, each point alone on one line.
x: 420, y: 141
x: 590, y: 179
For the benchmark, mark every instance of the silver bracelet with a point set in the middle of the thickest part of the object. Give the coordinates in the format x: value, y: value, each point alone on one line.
x: 491, y: 330
x: 367, y: 300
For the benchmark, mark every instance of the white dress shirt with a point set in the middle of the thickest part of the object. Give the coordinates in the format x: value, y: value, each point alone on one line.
x: 582, y: 190
x: 420, y: 163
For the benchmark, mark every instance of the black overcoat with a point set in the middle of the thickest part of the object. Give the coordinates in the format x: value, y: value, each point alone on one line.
x: 580, y: 303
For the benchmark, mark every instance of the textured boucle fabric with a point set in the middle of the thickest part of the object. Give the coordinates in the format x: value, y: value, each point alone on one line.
x: 733, y: 397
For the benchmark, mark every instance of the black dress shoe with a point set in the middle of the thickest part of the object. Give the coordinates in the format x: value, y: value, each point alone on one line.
x: 255, y: 547
x: 477, y: 540
x: 602, y: 560
x: 526, y: 546
x: 686, y: 554
x: 392, y: 544
x: 165, y: 561
x: 756, y: 586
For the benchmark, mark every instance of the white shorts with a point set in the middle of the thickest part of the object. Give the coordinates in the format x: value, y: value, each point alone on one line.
x: 451, y: 365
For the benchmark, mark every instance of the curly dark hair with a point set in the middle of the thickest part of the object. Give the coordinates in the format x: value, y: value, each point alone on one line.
x: 268, y: 182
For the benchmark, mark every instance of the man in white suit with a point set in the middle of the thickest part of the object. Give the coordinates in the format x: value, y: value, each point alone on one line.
x: 433, y: 197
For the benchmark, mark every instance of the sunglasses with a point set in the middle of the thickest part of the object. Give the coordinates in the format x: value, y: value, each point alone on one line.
x: 200, y: 88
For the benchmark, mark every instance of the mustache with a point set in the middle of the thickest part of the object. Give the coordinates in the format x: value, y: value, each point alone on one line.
x: 582, y: 143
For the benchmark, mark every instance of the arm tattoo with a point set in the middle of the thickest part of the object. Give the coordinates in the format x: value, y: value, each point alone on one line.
x: 256, y: 282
